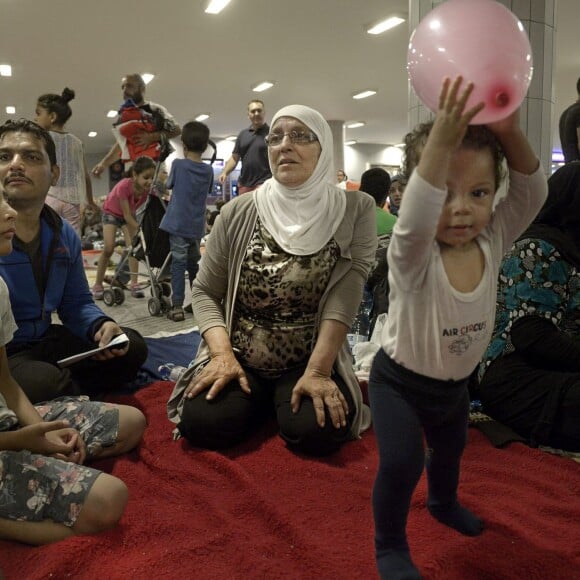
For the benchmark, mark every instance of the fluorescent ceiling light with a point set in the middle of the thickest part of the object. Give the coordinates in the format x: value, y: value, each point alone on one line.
x: 231, y: 138
x: 215, y: 6
x: 202, y: 117
x: 11, y: 110
x: 5, y: 70
x: 385, y: 25
x: 355, y: 125
x: 351, y: 142
x: 112, y: 114
x: 147, y: 77
x: 262, y: 87
x: 92, y: 133
x: 364, y: 94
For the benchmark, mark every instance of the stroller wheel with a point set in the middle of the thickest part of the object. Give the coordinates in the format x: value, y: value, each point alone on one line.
x: 119, y: 295
x: 109, y: 297
x: 156, y: 291
x: 165, y: 288
x: 154, y: 306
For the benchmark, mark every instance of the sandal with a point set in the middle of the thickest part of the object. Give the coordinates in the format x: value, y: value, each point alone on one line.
x: 136, y: 291
x: 176, y: 314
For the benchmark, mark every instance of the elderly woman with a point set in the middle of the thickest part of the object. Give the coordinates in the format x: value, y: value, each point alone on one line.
x: 530, y: 374
x: 276, y: 293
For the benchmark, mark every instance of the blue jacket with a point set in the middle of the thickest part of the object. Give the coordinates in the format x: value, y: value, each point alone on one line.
x: 66, y: 288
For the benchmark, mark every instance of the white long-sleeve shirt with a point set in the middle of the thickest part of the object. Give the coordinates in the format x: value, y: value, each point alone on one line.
x: 432, y: 328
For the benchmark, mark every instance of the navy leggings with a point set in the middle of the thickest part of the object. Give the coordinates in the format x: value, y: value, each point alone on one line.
x: 404, y: 406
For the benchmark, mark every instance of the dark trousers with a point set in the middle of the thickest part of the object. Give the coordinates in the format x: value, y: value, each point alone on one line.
x: 233, y: 415
x: 405, y: 406
x: 34, y: 366
x: 540, y: 404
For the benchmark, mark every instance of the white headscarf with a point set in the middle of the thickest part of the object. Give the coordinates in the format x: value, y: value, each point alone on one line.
x: 303, y: 219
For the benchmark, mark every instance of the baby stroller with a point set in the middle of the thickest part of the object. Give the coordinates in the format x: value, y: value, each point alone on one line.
x: 151, y: 246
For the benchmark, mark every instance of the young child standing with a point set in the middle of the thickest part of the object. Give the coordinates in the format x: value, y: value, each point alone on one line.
x: 444, y: 258
x: 119, y: 211
x: 47, y: 492
x: 74, y: 187
x: 184, y: 221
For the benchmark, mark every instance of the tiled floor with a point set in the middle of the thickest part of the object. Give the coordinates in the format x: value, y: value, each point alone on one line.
x: 134, y: 311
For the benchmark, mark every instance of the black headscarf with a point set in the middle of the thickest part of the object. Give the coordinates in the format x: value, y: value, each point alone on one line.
x: 558, y: 222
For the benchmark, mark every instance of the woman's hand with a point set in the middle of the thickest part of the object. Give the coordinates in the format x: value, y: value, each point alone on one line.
x: 218, y: 372
x: 323, y: 391
x: 73, y: 440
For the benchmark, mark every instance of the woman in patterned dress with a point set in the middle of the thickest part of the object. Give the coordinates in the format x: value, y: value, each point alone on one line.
x: 277, y: 290
x: 530, y: 374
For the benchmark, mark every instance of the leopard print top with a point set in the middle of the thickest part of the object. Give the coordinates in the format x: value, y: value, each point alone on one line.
x: 276, y: 304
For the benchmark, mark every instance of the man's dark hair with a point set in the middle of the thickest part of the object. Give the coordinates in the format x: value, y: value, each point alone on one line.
x: 256, y: 101
x: 376, y: 182
x: 139, y: 79
x: 26, y: 126
x: 195, y: 136
x: 578, y: 85
x: 58, y: 104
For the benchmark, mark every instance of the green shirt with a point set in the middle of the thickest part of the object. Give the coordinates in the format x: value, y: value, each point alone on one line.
x: 385, y: 221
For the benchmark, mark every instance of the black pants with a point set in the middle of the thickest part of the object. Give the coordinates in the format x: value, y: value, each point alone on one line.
x: 542, y: 405
x: 405, y: 406
x: 34, y: 366
x: 233, y: 415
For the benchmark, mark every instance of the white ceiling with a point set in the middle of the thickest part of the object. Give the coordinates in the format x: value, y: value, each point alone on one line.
x: 316, y: 51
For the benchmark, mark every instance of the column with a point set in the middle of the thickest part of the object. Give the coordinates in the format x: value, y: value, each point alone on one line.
x: 337, y: 128
x: 536, y: 117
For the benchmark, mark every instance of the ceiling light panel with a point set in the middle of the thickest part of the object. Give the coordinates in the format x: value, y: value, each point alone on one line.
x: 385, y: 25
x: 364, y: 94
x: 215, y: 6
x: 354, y: 125
x: 264, y: 86
x: 202, y: 117
x: 5, y: 70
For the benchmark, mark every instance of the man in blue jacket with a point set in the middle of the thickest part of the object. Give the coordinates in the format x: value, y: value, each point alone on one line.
x: 45, y: 274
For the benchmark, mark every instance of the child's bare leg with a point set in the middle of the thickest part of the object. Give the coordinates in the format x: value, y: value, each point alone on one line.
x: 109, y: 231
x: 34, y: 533
x: 132, y: 423
x: 103, y: 507
x: 101, y: 511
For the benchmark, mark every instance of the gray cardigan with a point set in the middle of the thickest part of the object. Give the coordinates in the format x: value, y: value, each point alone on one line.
x: 215, y: 286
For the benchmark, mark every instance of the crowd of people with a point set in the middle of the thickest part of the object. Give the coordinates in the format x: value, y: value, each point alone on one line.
x: 282, y: 276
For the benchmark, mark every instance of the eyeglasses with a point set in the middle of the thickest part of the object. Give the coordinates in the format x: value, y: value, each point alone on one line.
x: 296, y: 137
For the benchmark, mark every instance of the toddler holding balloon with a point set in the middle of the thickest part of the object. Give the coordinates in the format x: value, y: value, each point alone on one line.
x: 443, y: 267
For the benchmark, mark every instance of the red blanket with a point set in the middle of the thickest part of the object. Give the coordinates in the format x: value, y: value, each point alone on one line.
x: 261, y: 512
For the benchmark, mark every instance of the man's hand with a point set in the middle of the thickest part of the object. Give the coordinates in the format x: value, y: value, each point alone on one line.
x: 103, y: 336
x: 98, y: 169
x: 222, y: 178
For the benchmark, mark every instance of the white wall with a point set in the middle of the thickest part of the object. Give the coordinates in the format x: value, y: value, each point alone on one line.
x: 356, y: 158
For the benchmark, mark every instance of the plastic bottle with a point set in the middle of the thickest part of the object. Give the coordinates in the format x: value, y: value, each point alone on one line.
x: 171, y: 371
x: 359, y: 331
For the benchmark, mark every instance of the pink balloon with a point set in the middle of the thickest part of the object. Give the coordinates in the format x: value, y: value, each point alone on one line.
x: 482, y: 41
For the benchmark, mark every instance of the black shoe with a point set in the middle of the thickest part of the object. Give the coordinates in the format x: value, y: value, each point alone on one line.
x: 188, y: 309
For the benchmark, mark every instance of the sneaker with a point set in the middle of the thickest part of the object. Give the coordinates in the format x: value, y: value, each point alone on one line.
x: 97, y: 291
x: 137, y: 292
x: 176, y: 314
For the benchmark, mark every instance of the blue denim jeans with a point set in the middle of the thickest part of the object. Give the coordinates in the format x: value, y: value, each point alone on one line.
x: 185, y: 255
